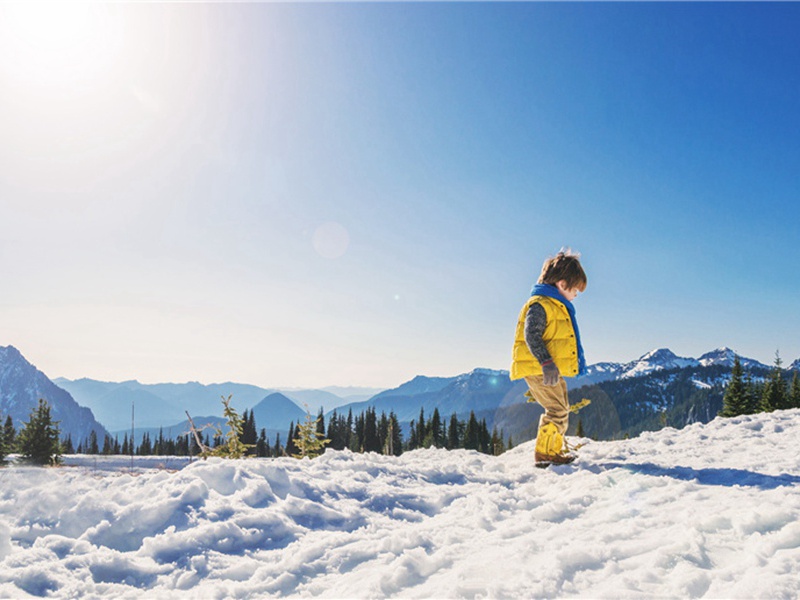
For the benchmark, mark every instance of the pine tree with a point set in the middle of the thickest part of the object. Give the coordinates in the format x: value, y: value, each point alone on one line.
x: 262, y: 444
x: 38, y: 440
x: 67, y: 447
x: 579, y: 430
x: 734, y: 402
x: 146, y: 447
x: 437, y: 432
x: 795, y: 392
x: 472, y: 435
x: 453, y: 434
x: 9, y: 435
x: 372, y: 442
x: 752, y: 398
x: 775, y: 393
x: 291, y: 448
x: 309, y: 441
x: 484, y: 438
x: 321, y: 422
x: 249, y: 436
x: 278, y: 450
x: 395, y: 435
x: 4, y: 451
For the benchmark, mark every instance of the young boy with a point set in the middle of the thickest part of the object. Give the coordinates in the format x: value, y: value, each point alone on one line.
x: 547, y: 348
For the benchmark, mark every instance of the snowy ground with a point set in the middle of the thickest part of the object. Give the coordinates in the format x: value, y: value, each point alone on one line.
x: 708, y: 511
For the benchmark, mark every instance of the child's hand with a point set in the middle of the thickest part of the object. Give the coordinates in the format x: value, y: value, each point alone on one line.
x: 550, y: 373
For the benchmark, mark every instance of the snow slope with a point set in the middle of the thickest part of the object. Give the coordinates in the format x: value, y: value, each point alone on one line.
x: 711, y: 510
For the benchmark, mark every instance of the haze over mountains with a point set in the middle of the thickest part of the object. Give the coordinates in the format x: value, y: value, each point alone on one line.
x: 84, y: 404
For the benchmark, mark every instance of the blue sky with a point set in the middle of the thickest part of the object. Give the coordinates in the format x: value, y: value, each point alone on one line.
x: 354, y: 194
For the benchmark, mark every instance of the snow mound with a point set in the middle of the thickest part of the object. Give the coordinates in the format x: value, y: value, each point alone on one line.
x: 711, y: 510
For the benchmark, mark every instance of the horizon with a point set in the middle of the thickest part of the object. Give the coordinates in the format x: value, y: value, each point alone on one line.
x: 325, y: 195
x: 786, y: 362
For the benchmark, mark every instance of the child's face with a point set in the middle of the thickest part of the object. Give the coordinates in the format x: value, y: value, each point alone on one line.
x: 568, y: 293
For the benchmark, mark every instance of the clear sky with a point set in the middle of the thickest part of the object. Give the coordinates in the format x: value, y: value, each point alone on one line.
x: 354, y: 194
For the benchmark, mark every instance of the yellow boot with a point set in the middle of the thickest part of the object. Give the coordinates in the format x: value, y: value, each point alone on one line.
x: 550, y: 447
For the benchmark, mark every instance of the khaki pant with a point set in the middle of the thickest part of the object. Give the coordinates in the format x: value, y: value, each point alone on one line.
x: 553, y: 399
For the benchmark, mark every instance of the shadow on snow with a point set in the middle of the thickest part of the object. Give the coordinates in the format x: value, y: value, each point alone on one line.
x: 714, y: 476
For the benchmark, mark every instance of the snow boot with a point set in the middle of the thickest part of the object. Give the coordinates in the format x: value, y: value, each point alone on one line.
x: 550, y: 447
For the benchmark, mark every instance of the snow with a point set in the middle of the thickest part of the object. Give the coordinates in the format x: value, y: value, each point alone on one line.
x: 708, y: 511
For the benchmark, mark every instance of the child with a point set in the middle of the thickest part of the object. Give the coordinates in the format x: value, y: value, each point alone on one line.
x: 547, y: 348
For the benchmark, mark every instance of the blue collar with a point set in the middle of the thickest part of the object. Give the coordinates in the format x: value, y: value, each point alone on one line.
x: 551, y: 291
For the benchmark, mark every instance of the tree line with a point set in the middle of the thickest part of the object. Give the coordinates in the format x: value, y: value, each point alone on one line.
x: 39, y: 439
x: 745, y: 396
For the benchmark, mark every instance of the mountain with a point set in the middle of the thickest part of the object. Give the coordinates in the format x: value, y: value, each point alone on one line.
x: 162, y: 404
x: 157, y: 404
x: 627, y: 398
x: 277, y: 412
x: 329, y: 397
x: 21, y: 387
x: 479, y: 390
x: 656, y: 360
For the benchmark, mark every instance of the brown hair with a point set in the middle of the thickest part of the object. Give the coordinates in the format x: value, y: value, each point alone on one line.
x: 564, y: 265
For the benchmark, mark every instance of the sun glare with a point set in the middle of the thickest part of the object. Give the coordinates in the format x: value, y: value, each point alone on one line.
x: 57, y: 42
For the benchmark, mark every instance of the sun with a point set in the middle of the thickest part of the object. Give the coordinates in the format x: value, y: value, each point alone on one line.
x: 52, y: 43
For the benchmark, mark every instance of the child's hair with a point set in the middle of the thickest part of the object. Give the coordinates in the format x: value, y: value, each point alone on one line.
x: 564, y: 265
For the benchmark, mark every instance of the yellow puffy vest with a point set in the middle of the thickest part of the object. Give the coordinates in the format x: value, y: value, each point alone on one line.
x: 559, y: 337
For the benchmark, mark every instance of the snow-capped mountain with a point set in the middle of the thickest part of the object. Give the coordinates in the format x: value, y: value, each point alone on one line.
x: 21, y: 387
x: 661, y: 359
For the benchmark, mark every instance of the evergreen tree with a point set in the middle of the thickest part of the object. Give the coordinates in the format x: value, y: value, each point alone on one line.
x: 108, y: 445
x: 249, y: 436
x: 321, y: 422
x: 484, y: 438
x: 752, y: 397
x: 91, y: 445
x: 309, y: 441
x: 734, y: 402
x: 795, y: 392
x: 4, y: 450
x: 383, y: 432
x: 437, y: 430
x: 775, y: 395
x: 472, y: 434
x: 291, y: 448
x: 278, y: 450
x: 66, y: 446
x: 335, y: 429
x: 371, y: 441
x: 351, y: 443
x: 497, y: 443
x: 579, y: 430
x: 38, y: 440
x: 394, y: 436
x: 9, y: 435
x: 453, y: 435
x: 146, y: 447
x: 421, y: 429
x: 413, y: 442
x: 262, y: 444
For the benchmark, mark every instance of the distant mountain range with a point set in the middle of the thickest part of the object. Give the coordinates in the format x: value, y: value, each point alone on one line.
x: 164, y: 404
x: 489, y: 393
x: 659, y: 359
x: 21, y: 387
